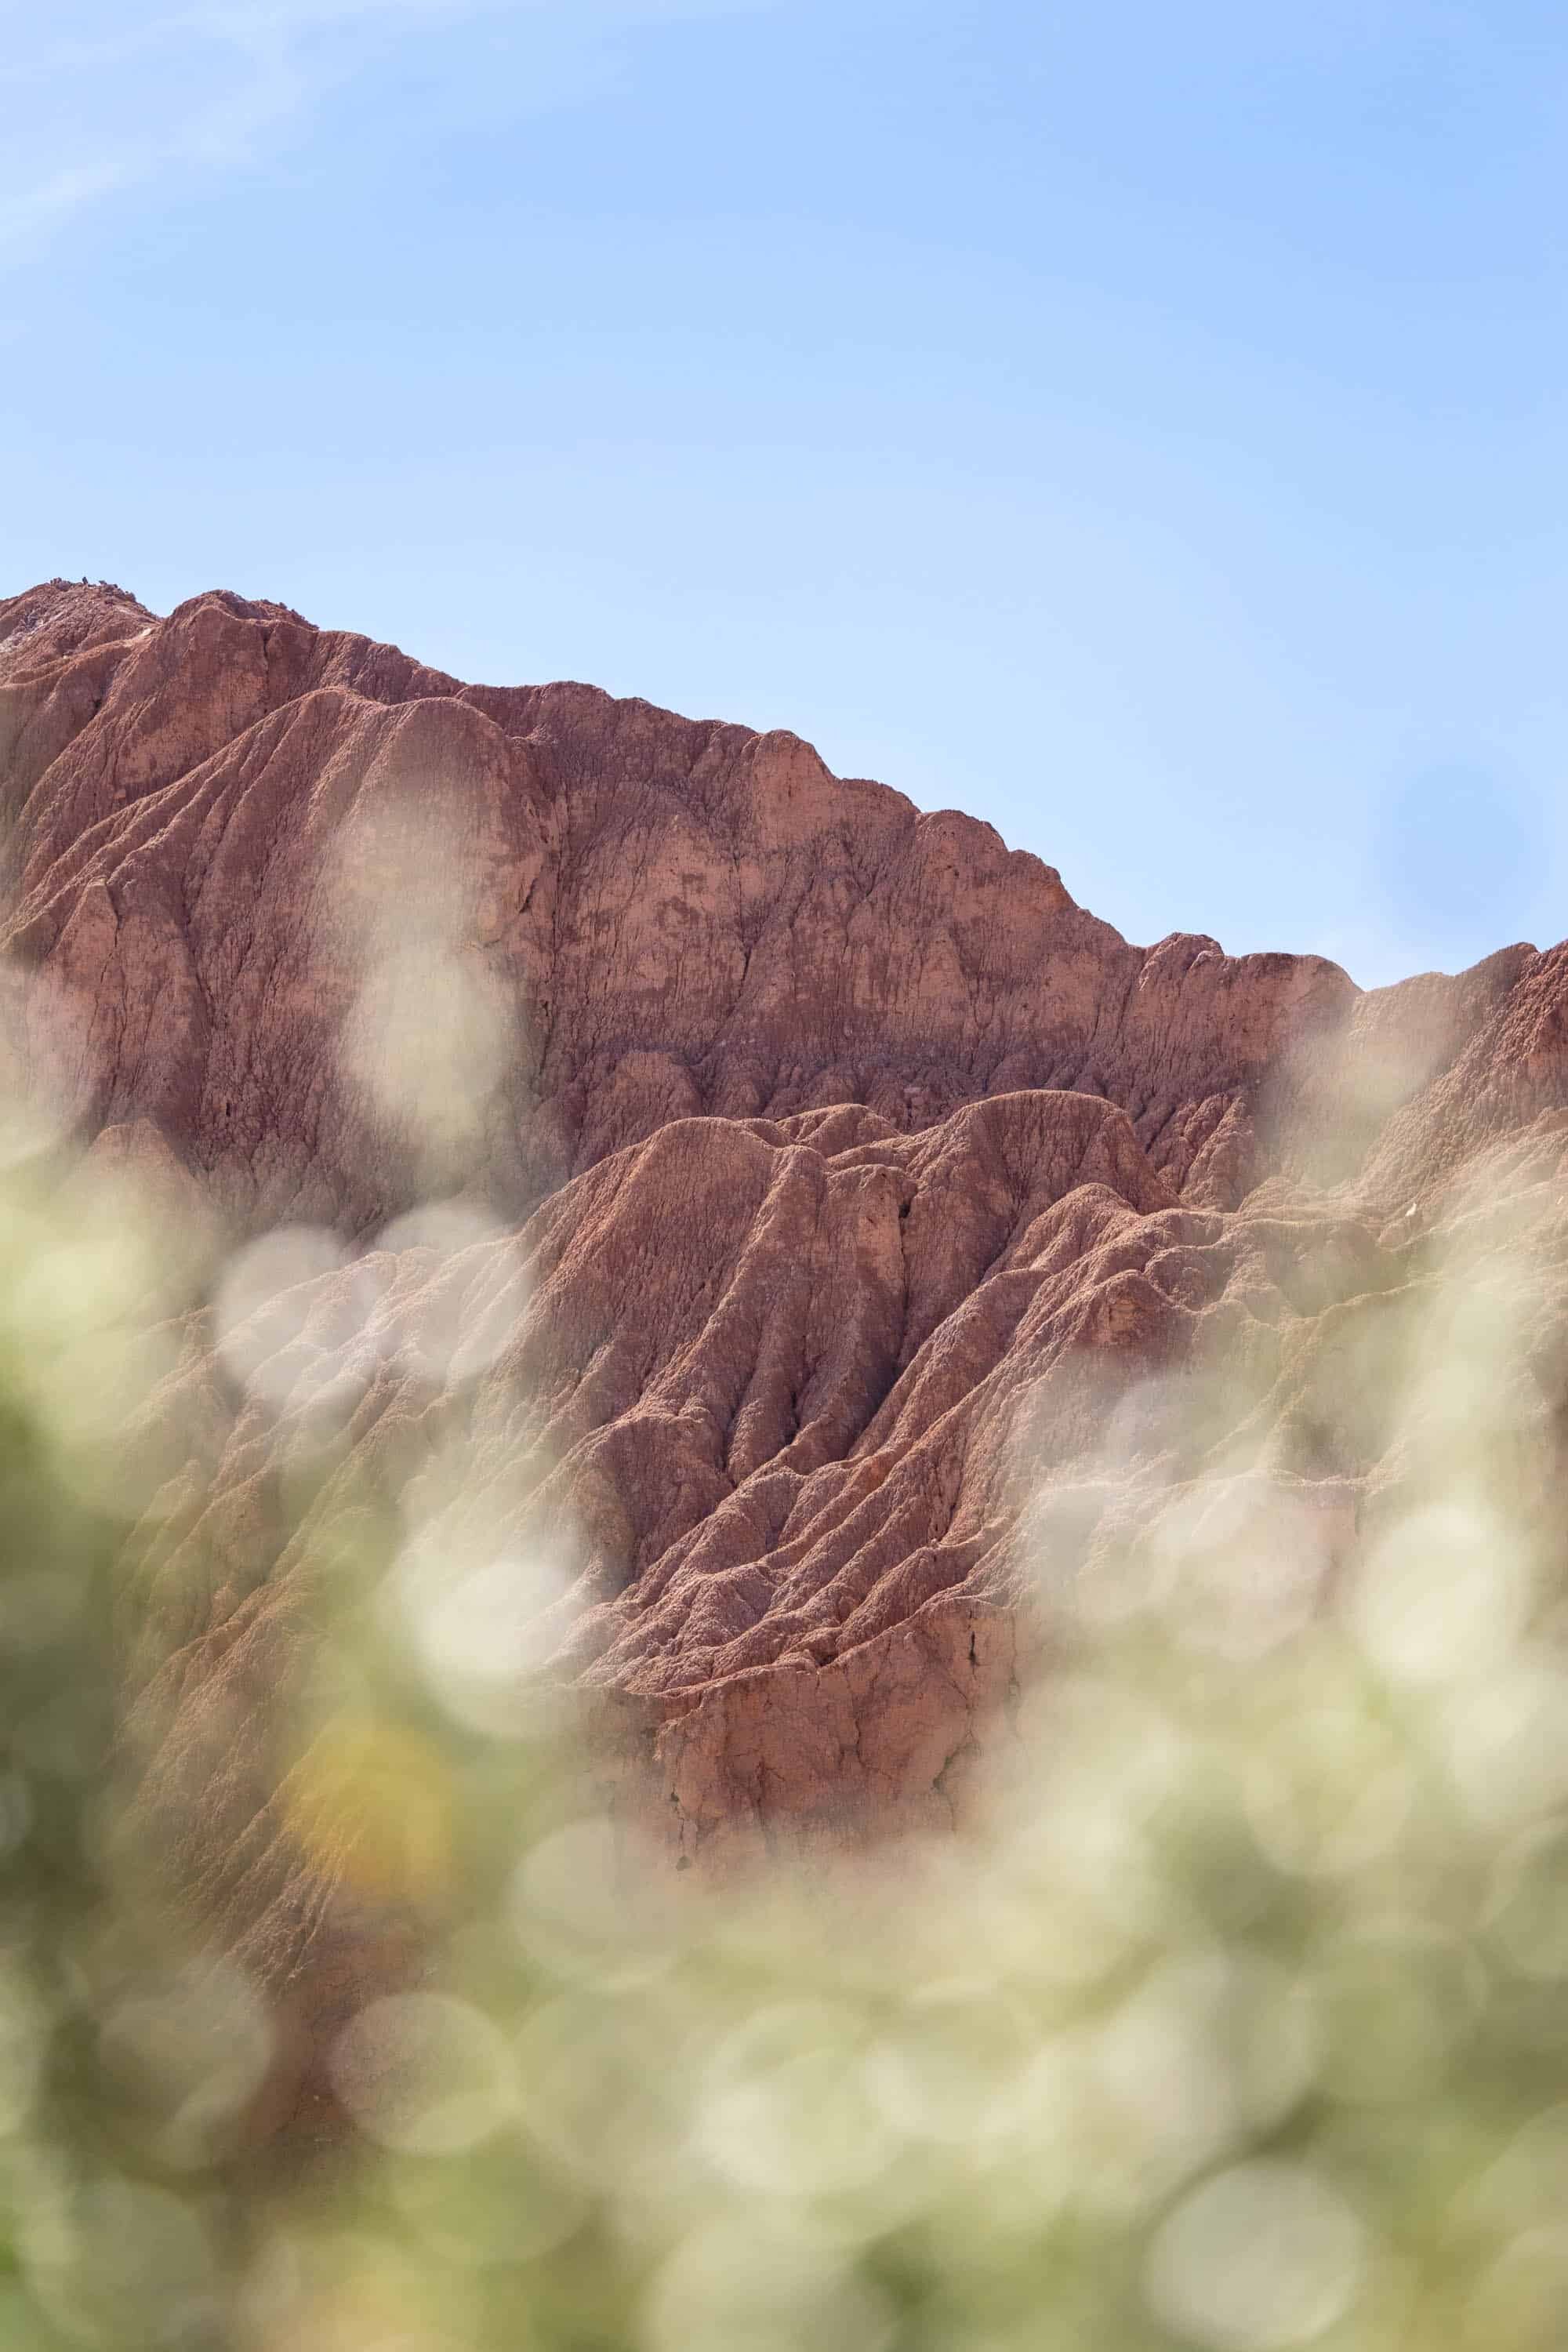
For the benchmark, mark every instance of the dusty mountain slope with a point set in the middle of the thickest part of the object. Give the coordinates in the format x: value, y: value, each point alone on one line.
x: 874, y: 1235
x: 213, y: 817
x: 677, y: 918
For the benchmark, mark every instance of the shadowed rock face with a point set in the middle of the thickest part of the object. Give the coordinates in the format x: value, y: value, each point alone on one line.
x: 882, y: 1233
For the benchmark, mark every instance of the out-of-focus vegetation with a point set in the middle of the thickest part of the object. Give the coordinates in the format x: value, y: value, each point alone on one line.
x: 1239, y: 2021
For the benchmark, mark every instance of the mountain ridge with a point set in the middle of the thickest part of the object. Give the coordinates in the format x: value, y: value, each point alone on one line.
x: 934, y: 964
x: 821, y: 1241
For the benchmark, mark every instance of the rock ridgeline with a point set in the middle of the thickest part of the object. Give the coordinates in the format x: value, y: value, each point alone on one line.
x: 854, y: 1199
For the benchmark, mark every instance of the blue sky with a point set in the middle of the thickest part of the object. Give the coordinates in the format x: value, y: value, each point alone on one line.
x: 1142, y: 426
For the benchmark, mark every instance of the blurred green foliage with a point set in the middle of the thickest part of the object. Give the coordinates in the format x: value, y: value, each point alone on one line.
x: 1237, y: 2020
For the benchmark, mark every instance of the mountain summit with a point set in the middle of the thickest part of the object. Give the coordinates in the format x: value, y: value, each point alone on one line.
x: 824, y: 1233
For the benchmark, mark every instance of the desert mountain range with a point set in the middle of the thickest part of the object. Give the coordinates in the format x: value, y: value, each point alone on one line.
x: 820, y: 1234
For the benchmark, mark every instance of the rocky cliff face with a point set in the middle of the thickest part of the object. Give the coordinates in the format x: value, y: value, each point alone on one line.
x: 844, y: 1236
x: 210, y: 814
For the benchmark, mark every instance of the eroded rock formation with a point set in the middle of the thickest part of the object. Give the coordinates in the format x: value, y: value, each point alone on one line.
x: 873, y: 1235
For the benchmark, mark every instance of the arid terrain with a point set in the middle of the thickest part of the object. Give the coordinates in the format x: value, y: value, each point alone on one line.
x: 823, y: 1245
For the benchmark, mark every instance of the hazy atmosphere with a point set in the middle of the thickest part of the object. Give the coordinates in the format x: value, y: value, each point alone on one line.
x: 1139, y: 426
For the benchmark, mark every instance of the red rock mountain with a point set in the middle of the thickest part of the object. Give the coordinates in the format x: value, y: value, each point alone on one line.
x: 855, y: 1198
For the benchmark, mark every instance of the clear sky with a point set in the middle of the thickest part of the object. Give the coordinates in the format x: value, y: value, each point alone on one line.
x: 1140, y: 423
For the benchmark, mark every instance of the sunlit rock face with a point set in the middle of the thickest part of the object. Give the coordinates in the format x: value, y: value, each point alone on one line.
x: 238, y: 843
x: 828, y: 1252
